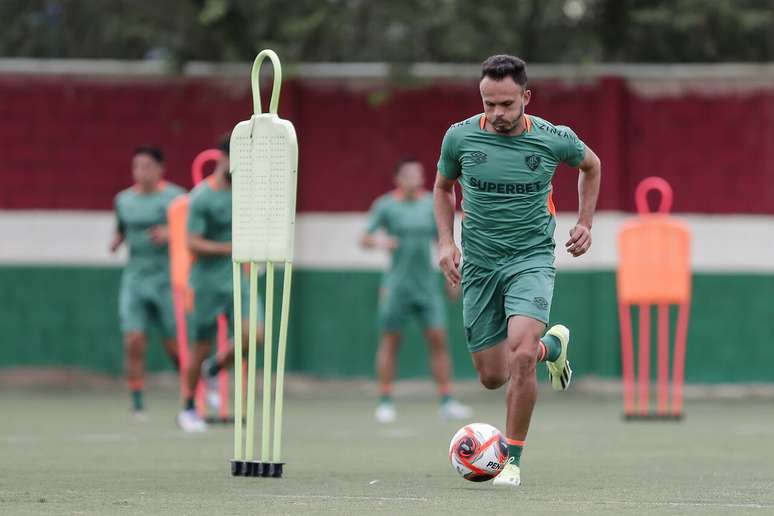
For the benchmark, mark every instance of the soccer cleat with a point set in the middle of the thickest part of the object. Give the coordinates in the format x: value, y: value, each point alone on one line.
x: 510, y: 476
x: 559, y: 370
x: 453, y: 409
x: 190, y: 422
x: 385, y: 412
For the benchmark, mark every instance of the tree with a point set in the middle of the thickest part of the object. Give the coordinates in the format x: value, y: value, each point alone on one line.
x: 400, y: 31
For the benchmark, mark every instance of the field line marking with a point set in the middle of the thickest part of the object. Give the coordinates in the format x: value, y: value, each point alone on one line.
x: 345, y: 497
x: 661, y: 504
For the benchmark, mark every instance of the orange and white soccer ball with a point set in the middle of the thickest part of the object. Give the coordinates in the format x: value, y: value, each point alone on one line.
x: 478, y: 452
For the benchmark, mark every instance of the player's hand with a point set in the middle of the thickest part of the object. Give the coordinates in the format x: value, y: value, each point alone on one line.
x: 449, y: 260
x: 159, y: 234
x: 116, y: 243
x: 390, y: 243
x: 580, y: 240
x: 453, y: 292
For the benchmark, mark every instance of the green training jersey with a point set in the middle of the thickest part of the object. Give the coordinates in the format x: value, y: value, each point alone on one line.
x: 209, y: 216
x: 411, y: 223
x: 136, y: 213
x: 506, y: 186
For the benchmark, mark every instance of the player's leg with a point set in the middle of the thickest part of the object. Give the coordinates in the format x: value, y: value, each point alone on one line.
x: 225, y: 360
x: 164, y: 312
x: 134, y: 353
x: 386, y: 358
x: 521, y: 349
x: 440, y: 362
x: 432, y: 315
x: 201, y: 350
x: 203, y: 329
x: 188, y: 419
x: 530, y: 293
x: 527, y: 299
x: 393, y: 311
x: 513, y: 361
x: 134, y: 322
x: 483, y: 314
x: 498, y: 348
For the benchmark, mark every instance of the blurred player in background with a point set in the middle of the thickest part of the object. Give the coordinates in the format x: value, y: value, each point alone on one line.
x: 505, y: 161
x: 211, y: 279
x: 145, y: 297
x: 410, y: 287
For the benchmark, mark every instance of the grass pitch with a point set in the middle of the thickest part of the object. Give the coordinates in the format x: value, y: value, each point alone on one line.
x: 77, y: 452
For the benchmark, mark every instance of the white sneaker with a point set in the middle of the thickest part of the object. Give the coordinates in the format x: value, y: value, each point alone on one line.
x: 140, y: 417
x: 385, y: 412
x: 453, y: 409
x: 510, y: 476
x: 189, y: 421
x: 212, y: 395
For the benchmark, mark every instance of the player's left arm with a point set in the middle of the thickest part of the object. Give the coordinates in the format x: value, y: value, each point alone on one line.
x: 590, y: 169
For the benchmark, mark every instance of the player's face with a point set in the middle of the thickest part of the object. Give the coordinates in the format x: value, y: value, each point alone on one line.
x: 146, y: 170
x: 222, y: 167
x: 504, y: 103
x: 411, y: 177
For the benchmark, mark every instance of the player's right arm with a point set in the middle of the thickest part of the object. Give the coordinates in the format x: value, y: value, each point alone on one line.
x: 197, y: 224
x: 444, y: 203
x: 376, y: 220
x: 118, y: 235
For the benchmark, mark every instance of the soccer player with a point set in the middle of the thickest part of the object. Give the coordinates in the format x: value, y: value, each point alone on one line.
x: 145, y: 297
x: 505, y: 160
x: 211, y: 279
x: 410, y: 287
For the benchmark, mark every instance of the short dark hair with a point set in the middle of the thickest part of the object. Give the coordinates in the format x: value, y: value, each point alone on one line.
x: 403, y: 161
x: 223, y: 144
x: 501, y: 66
x: 153, y: 152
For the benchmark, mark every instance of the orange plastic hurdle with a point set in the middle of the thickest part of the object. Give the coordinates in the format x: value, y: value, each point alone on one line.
x: 180, y: 261
x: 654, y: 269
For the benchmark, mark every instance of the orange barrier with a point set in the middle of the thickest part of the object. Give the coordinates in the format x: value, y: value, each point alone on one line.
x: 654, y: 269
x: 180, y: 263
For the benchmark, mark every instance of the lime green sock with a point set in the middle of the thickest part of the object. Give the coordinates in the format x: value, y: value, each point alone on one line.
x: 446, y: 398
x: 385, y: 398
x: 553, y: 347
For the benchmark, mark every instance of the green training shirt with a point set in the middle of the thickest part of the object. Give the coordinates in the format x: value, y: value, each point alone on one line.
x: 411, y: 223
x: 209, y: 215
x: 137, y: 212
x: 506, y: 186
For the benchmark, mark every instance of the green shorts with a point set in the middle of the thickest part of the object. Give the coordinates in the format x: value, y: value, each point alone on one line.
x: 209, y: 304
x: 396, y: 305
x: 143, y: 302
x: 491, y: 296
